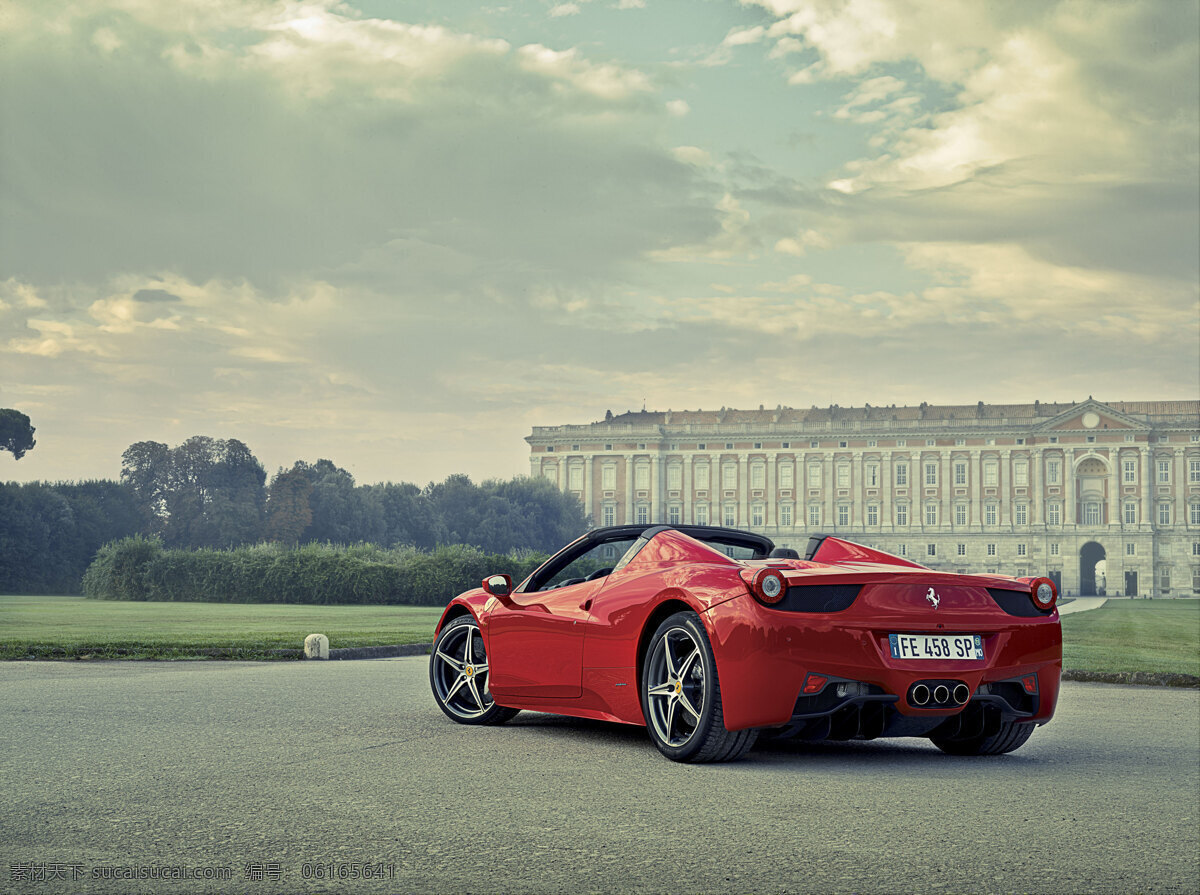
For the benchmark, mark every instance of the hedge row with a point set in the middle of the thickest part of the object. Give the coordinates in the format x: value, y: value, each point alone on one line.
x: 142, y: 569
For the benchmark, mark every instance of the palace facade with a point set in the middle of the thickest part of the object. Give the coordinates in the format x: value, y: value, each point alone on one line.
x: 1104, y: 498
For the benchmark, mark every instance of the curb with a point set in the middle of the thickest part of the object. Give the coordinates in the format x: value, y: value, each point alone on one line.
x: 1134, y: 678
x: 381, y: 652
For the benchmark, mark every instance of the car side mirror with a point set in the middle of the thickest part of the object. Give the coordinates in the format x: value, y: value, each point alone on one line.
x: 498, y: 585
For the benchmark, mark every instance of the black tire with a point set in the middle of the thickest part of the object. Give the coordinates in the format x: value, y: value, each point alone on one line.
x: 1012, y: 735
x: 698, y: 734
x: 458, y: 673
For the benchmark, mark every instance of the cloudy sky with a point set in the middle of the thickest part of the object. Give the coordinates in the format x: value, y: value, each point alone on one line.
x: 400, y: 234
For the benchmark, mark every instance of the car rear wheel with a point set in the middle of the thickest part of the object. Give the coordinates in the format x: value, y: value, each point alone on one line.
x: 458, y: 675
x: 681, y: 696
x: 1011, y: 735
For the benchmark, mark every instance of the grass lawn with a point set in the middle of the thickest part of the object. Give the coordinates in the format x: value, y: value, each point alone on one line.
x: 1134, y: 635
x: 49, y: 627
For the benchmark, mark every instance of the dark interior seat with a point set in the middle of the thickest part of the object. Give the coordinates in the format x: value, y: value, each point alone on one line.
x: 599, y: 573
x: 784, y: 553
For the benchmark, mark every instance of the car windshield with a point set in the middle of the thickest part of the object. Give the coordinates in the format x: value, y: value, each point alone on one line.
x: 595, y: 563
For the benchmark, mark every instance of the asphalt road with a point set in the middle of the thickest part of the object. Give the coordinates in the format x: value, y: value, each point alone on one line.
x: 266, y: 768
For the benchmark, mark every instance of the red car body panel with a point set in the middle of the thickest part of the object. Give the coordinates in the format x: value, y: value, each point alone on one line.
x: 574, y: 650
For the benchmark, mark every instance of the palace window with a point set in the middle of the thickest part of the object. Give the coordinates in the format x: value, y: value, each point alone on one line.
x: 1194, y: 471
x: 758, y: 476
x: 574, y: 447
x: 1021, y: 550
x: 814, y: 475
x: 787, y: 476
x: 902, y: 550
x: 873, y: 514
x: 1164, y: 472
x: 1054, y: 549
x: 931, y: 549
x: 729, y: 445
x: 1130, y: 512
x: 551, y: 473
x: 1164, y: 514
x: 930, y: 473
x: 1021, y: 514
x: 730, y: 516
x: 871, y: 472
x: 991, y: 473
x: 610, y: 515
x: 674, y: 477
x: 814, y: 515
x: 960, y: 514
x: 756, y: 515
x: 961, y: 550
x: 550, y: 449
x: 641, y: 477
x: 702, y: 477
x: 608, y: 478
x: 758, y: 445
x: 1194, y: 514
x: 702, y: 446
x: 1053, y: 472
x: 901, y: 514
x: 785, y: 516
x: 931, y: 514
x: 1164, y: 581
x: 701, y: 513
x: 1091, y: 513
x: 1130, y: 548
x: 1021, y: 474
x: 643, y: 515
x: 960, y: 442
x: 1054, y: 514
x: 989, y: 514
x: 728, y: 476
x: 1129, y: 472
x: 575, y: 478
x: 842, y: 444
x: 843, y: 475
x: 991, y: 549
x: 674, y: 515
x: 843, y: 515
x: 902, y: 474
x: 960, y: 472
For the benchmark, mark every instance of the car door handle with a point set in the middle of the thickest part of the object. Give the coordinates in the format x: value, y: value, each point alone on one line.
x: 586, y: 604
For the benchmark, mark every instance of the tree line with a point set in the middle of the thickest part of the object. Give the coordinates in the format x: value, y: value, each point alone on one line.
x: 210, y: 493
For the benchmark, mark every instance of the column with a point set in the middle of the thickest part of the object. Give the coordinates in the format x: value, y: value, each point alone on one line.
x: 1005, y: 490
x: 771, y: 518
x: 946, y: 484
x: 1148, y: 487
x: 1037, y: 499
x: 1070, y: 501
x: 975, y: 471
x: 656, y: 481
x: 1113, y: 483
x: 743, y: 491
x: 587, y: 487
x: 888, y: 522
x: 858, y: 503
x: 687, y: 490
x: 828, y: 498
x: 628, y: 514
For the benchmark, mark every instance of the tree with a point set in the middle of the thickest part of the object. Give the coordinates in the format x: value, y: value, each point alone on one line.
x: 288, y: 511
x: 207, y: 492
x: 16, y: 434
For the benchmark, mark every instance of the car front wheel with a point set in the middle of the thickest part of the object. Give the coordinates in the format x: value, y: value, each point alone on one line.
x: 458, y: 675
x: 681, y: 696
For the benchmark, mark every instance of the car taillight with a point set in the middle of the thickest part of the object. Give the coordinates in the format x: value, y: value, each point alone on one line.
x: 814, y: 683
x: 769, y: 586
x: 1043, y: 592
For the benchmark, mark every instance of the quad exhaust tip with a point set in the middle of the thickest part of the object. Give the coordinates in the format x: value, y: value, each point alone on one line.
x: 941, y: 694
x: 961, y: 694
x: 920, y: 695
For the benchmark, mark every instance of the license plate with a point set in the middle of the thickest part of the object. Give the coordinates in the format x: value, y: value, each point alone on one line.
x: 944, y: 647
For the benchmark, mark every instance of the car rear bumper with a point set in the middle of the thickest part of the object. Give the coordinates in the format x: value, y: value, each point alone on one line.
x: 764, y: 656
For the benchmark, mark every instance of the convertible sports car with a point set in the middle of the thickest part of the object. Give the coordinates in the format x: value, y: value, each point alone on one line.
x: 711, y: 636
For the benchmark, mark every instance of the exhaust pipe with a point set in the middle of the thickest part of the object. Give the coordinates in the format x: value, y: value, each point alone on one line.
x: 961, y: 694
x: 919, y: 695
x: 941, y: 694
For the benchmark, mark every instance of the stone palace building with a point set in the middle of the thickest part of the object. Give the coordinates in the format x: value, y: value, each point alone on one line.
x: 1104, y: 498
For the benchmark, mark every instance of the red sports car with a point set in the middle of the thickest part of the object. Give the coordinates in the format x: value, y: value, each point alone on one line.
x: 709, y: 636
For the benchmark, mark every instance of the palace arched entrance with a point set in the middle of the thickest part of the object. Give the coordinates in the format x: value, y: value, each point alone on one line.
x: 1089, y: 555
